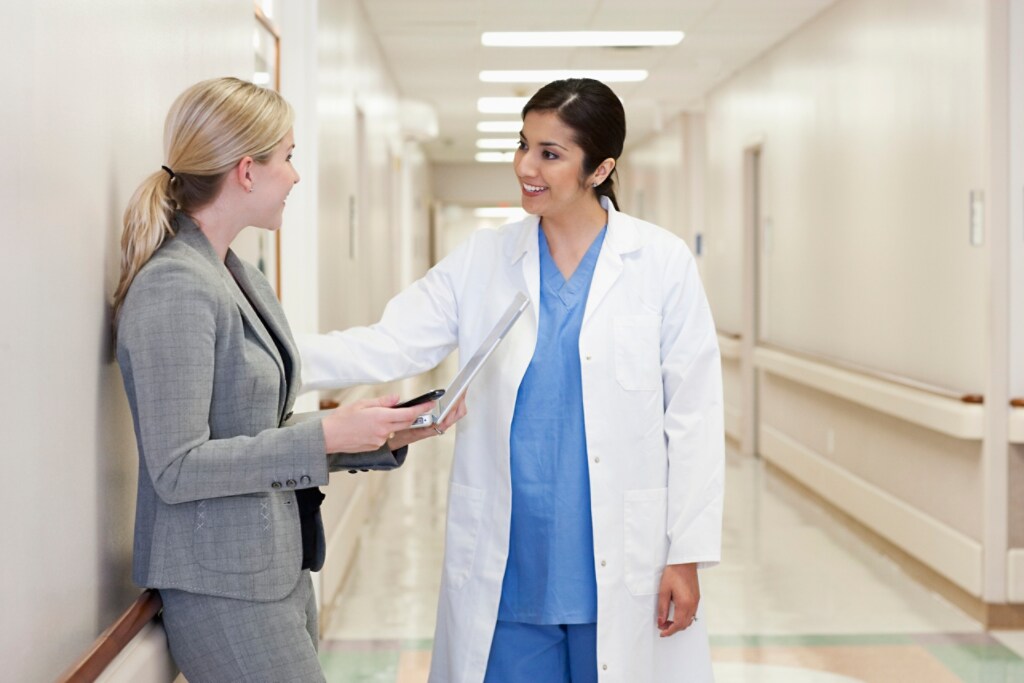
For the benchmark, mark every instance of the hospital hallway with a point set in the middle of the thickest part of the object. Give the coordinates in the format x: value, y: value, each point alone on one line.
x: 800, y: 597
x: 811, y: 221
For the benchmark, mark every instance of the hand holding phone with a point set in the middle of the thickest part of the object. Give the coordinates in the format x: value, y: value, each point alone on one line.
x: 424, y: 398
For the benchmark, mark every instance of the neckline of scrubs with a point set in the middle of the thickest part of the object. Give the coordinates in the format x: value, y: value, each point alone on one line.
x: 568, y: 290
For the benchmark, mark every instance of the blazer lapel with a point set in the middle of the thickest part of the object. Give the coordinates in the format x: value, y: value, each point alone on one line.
x: 263, y: 317
x: 243, y: 291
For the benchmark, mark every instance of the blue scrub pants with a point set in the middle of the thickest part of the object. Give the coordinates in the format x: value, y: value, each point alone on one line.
x: 542, y: 653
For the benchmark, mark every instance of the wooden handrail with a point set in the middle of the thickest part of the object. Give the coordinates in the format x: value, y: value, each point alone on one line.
x: 111, y: 642
x: 1017, y: 402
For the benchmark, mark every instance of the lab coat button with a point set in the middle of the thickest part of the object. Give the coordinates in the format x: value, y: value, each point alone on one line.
x: 604, y: 563
x: 589, y: 356
x: 597, y: 458
x: 604, y: 666
x: 275, y: 485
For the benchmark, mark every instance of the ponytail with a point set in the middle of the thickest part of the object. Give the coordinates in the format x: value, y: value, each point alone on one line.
x: 607, y: 189
x: 147, y: 223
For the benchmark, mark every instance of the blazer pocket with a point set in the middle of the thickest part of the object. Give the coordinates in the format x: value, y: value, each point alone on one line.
x: 637, y: 340
x: 465, y: 512
x: 234, y: 535
x: 646, y: 542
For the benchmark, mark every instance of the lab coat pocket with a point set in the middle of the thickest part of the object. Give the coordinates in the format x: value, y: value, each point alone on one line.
x: 465, y: 510
x: 646, y: 543
x: 234, y: 534
x: 638, y: 351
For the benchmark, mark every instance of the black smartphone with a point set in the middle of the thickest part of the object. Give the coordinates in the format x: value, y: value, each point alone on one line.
x: 429, y: 396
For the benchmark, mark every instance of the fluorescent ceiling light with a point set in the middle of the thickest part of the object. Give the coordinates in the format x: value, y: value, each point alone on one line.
x: 580, y: 38
x: 497, y: 143
x: 501, y: 105
x: 499, y: 126
x: 499, y: 212
x: 548, y: 75
x: 495, y: 157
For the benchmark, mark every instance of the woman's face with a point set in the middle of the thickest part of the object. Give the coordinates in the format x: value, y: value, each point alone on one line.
x: 272, y: 181
x: 548, y: 164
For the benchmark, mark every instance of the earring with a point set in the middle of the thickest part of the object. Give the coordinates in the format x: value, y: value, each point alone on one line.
x: 250, y: 188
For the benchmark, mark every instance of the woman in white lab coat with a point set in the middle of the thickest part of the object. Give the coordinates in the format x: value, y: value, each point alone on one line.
x: 587, y: 484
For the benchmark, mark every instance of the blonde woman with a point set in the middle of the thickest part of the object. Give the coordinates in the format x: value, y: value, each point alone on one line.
x: 227, y: 523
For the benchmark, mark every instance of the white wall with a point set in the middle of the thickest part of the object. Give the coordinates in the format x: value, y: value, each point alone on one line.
x: 872, y: 121
x: 476, y: 184
x: 86, y: 87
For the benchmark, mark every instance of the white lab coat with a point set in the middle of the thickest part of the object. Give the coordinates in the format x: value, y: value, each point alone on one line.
x: 652, y: 402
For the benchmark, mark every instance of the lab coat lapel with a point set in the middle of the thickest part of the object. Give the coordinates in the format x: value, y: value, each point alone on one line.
x: 524, y: 249
x: 620, y: 239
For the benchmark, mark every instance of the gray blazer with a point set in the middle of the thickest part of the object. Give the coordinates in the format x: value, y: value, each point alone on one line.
x: 216, y: 512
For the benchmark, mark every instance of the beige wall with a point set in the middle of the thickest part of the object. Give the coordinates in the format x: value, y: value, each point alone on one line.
x: 872, y: 122
x: 86, y: 87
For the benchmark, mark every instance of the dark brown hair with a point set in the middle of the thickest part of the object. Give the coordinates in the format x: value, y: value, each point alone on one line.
x: 597, y: 119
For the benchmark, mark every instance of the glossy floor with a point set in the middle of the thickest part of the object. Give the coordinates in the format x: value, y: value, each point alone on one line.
x: 798, y: 598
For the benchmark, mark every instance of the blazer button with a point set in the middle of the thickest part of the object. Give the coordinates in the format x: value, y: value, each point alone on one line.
x: 290, y: 483
x: 276, y: 485
x: 305, y: 479
x: 351, y: 471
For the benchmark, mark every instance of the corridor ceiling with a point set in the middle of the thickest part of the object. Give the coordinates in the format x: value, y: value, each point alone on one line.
x: 433, y: 50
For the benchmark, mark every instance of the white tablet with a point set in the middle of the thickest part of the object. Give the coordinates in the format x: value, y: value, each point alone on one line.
x: 461, y: 382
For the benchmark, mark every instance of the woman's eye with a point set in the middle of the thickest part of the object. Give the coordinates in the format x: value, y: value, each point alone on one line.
x: 550, y: 155
x: 289, y: 159
x: 522, y: 145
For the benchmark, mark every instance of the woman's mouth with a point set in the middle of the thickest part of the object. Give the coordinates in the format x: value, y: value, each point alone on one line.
x: 532, y: 190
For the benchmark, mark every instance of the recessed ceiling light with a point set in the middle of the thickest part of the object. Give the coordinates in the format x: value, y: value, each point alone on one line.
x: 497, y: 143
x: 501, y: 105
x: 548, y: 75
x: 495, y: 157
x: 580, y: 38
x: 499, y: 126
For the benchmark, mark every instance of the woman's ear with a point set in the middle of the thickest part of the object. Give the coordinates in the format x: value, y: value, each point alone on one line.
x: 601, y: 173
x: 242, y: 173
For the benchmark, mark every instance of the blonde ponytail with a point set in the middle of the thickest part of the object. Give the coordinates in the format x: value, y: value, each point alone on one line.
x: 147, y: 223
x: 210, y: 127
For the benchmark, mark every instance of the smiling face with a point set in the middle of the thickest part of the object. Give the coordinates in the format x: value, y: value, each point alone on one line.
x: 272, y: 181
x: 549, y: 166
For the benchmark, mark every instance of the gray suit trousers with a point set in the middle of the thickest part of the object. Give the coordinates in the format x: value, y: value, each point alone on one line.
x: 218, y: 640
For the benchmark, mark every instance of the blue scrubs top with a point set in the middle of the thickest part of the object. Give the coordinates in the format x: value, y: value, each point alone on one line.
x: 550, y: 576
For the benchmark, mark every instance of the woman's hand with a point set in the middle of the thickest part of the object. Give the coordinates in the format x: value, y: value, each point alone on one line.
x: 679, y: 586
x: 408, y: 436
x: 367, y: 425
